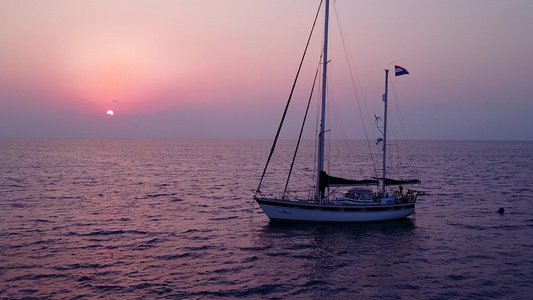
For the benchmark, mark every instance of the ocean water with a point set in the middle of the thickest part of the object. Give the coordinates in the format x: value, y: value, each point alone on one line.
x: 163, y: 219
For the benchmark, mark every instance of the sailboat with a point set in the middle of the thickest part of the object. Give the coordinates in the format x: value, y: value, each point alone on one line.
x: 366, y: 200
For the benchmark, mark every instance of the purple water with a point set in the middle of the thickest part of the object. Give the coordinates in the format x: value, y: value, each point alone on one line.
x: 152, y: 219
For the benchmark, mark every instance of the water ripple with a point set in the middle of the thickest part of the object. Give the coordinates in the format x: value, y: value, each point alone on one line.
x: 158, y: 219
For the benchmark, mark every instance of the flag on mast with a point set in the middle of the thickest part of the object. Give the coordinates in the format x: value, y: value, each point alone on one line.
x: 400, y: 71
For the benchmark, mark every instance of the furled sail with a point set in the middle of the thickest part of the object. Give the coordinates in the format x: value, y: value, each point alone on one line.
x: 389, y: 181
x: 328, y: 180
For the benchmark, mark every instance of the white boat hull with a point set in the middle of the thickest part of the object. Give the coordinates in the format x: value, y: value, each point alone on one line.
x: 279, y: 210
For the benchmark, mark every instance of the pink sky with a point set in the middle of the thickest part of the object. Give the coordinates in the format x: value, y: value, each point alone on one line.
x: 223, y: 68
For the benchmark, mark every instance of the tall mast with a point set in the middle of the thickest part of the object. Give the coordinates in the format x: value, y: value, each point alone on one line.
x: 321, y: 134
x: 385, y: 132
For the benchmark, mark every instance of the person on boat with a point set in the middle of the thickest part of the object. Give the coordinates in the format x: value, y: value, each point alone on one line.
x: 401, y: 190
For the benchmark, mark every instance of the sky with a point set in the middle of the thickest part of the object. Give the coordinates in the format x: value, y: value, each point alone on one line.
x: 208, y: 69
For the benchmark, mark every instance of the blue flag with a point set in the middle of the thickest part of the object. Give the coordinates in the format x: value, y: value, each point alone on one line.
x: 401, y: 71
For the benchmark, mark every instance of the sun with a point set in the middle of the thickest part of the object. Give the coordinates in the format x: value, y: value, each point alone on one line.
x: 110, y: 113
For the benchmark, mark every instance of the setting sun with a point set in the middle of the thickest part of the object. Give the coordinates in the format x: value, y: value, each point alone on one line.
x: 110, y: 113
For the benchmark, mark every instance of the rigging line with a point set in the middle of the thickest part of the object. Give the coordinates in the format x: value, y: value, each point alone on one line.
x: 317, y: 122
x: 289, y: 100
x: 354, y: 76
x: 393, y: 132
x: 329, y: 119
x: 339, y: 136
x: 401, y: 126
x: 302, y: 128
x: 403, y: 130
x: 334, y: 122
x: 336, y: 130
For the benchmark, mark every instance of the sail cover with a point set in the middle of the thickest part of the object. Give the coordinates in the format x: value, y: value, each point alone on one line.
x: 327, y: 180
x: 389, y: 181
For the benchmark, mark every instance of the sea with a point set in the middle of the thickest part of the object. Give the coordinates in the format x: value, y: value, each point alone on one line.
x: 175, y: 219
